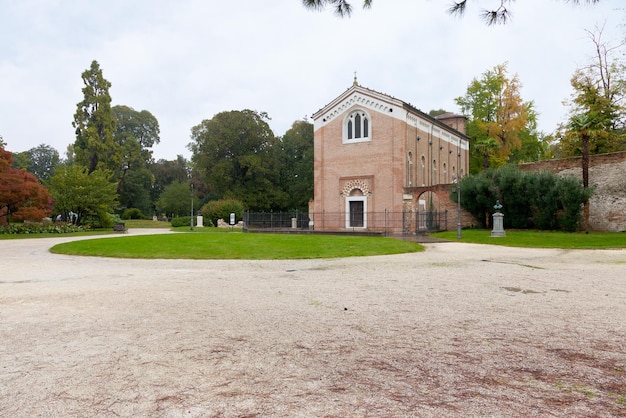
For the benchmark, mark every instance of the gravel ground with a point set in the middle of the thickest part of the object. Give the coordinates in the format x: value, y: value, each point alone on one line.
x: 459, y: 330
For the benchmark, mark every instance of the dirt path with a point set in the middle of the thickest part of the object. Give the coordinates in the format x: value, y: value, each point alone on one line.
x: 459, y: 330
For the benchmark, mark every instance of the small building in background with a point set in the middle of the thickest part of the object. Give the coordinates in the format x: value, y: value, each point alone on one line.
x: 381, y: 163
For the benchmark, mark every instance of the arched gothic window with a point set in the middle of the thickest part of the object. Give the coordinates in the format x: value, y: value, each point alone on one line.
x: 357, y: 127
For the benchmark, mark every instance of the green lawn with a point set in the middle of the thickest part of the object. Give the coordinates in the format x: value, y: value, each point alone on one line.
x: 236, y: 245
x: 540, y: 239
x: 146, y: 223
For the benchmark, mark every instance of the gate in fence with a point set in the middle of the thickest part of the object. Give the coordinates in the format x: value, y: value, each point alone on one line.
x: 431, y: 221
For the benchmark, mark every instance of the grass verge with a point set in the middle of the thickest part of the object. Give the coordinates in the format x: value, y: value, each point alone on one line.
x: 208, y: 246
x: 540, y: 239
x: 49, y: 235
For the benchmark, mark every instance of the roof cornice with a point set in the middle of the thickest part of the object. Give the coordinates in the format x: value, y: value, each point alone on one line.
x: 377, y: 101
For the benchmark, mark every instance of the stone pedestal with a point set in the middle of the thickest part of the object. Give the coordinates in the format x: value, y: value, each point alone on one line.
x: 498, y: 225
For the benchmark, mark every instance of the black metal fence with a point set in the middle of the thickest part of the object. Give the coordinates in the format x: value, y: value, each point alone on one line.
x: 275, y: 220
x: 386, y: 222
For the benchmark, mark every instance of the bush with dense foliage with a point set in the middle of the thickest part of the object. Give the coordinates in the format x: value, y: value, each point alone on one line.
x: 530, y: 199
x: 100, y: 219
x: 183, y: 221
x: 133, y: 213
x: 221, y: 209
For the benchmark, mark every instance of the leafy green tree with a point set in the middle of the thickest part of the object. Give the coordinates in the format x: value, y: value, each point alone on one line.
x: 95, y: 147
x: 498, y: 119
x: 295, y: 160
x: 40, y: 161
x: 176, y: 200
x: 233, y: 154
x: 498, y: 14
x: 91, y: 195
x: 166, y: 172
x: 600, y: 97
x: 135, y: 134
x: 534, y: 145
x: 134, y: 191
x: 597, y: 123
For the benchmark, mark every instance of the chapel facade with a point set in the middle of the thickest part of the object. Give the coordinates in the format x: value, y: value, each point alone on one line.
x: 377, y: 156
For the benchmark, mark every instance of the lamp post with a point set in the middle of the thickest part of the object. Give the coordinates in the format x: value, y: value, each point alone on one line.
x: 458, y: 195
x: 458, y: 210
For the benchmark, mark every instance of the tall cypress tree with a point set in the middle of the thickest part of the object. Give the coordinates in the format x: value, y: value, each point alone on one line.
x: 95, y: 124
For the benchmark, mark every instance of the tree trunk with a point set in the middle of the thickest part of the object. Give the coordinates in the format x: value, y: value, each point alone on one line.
x: 585, y: 167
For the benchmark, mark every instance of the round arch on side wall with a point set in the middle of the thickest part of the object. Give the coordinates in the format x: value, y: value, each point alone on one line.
x: 427, y: 201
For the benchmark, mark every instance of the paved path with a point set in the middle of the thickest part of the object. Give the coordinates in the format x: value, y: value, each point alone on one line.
x: 458, y: 330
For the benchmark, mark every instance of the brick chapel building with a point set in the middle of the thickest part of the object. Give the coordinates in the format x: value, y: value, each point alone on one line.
x: 378, y: 158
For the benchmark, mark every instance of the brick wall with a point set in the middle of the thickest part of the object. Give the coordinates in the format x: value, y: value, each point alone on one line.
x: 607, y: 174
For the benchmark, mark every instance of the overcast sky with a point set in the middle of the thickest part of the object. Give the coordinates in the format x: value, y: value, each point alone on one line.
x: 186, y: 60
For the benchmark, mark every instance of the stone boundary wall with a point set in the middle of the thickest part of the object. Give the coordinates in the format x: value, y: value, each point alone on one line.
x: 607, y: 174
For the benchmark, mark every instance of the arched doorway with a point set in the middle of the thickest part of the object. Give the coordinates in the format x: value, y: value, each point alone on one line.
x: 356, y: 209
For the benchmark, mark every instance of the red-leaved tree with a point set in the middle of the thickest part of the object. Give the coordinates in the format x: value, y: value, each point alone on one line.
x: 22, y: 197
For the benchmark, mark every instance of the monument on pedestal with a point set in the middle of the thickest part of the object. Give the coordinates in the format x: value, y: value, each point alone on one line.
x: 498, y: 221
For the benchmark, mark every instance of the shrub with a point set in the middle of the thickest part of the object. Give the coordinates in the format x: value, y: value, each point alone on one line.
x: 42, y: 228
x: 477, y: 197
x: 102, y: 219
x: 512, y: 190
x: 182, y: 221
x: 133, y: 213
x: 543, y: 190
x: 539, y: 200
x: 572, y: 198
x: 221, y: 209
